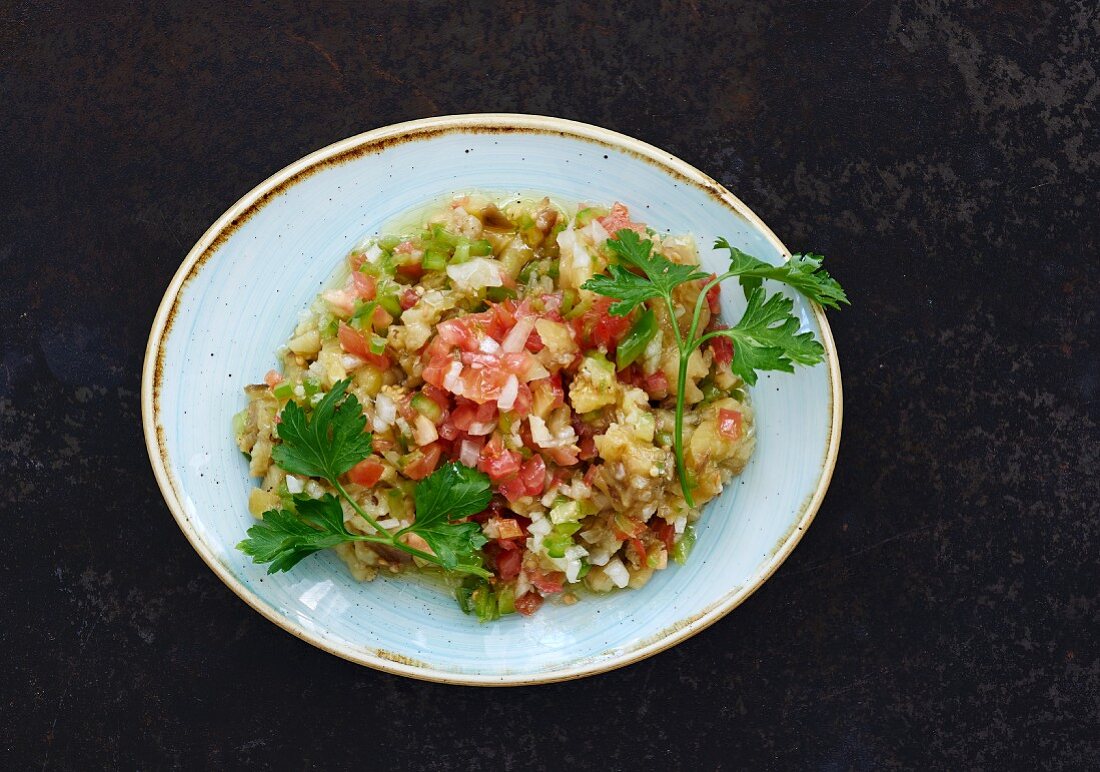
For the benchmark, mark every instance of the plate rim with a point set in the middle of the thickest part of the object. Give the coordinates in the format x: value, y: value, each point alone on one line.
x: 421, y: 129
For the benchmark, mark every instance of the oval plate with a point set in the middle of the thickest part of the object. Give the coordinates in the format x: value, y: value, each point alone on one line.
x: 237, y: 296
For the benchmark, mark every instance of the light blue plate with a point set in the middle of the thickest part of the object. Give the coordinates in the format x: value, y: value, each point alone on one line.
x: 237, y: 296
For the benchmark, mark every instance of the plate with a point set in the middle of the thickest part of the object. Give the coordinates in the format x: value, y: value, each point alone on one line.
x: 238, y: 294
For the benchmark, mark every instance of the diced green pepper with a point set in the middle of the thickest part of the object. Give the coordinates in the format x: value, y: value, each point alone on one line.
x: 311, y: 386
x: 568, y: 300
x: 589, y: 214
x: 389, y: 242
x: 426, y: 406
x: 556, y: 544
x: 377, y: 344
x: 434, y: 260
x: 634, y: 343
x: 461, y: 254
x: 585, y: 568
x: 485, y: 603
x: 506, y: 599
x: 481, y: 248
x: 499, y: 294
x: 395, y: 497
x: 390, y: 302
x: 364, y: 312
x: 239, y: 421
x: 284, y: 390
x: 682, y: 548
x: 567, y: 511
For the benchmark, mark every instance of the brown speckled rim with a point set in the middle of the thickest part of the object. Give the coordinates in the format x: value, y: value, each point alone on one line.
x: 425, y: 129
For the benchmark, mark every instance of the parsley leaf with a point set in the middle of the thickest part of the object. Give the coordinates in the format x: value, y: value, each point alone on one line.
x: 326, y: 444
x: 284, y: 538
x: 768, y: 338
x: 803, y: 272
x: 448, y: 494
x: 662, y: 275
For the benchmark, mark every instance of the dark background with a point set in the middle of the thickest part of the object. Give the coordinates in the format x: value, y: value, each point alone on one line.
x: 942, y: 611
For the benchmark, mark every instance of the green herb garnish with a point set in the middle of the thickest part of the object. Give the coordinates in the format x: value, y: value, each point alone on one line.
x: 766, y: 338
x: 327, y: 444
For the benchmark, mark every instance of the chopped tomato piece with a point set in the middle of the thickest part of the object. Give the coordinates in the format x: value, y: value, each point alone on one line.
x: 618, y: 219
x: 408, y: 299
x: 656, y: 385
x: 639, y: 548
x: 366, y: 287
x: 563, y: 456
x: 509, y: 562
x: 587, y: 448
x: 366, y: 473
x: 273, y: 378
x: 665, y: 531
x: 722, y: 348
x: 423, y: 462
x: 729, y: 423
x: 352, y: 341
x: 497, y: 461
x: 714, y: 295
x: 512, y: 488
x: 551, y: 582
x: 528, y: 604
x: 533, y: 475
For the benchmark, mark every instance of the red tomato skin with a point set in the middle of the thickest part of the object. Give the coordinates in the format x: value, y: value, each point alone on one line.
x: 533, y: 475
x: 729, y: 423
x: 528, y: 604
x: 722, y: 349
x: 424, y: 466
x: 366, y: 472
x: 509, y: 562
x: 408, y: 299
x: 714, y: 295
x: 366, y: 287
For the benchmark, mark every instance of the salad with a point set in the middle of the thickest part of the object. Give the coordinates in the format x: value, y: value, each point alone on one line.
x: 528, y: 398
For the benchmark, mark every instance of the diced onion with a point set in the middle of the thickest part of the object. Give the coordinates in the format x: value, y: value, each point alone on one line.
x: 294, y: 484
x: 469, y: 452
x: 451, y: 381
x: 477, y: 273
x: 508, y: 394
x: 373, y: 253
x: 350, y: 361
x: 425, y: 432
x: 617, y: 573
x: 385, y: 412
x: 478, y: 429
x: 516, y: 339
x: 536, y: 372
x: 488, y: 346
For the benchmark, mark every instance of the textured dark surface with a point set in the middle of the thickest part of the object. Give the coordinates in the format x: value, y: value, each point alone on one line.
x: 941, y: 613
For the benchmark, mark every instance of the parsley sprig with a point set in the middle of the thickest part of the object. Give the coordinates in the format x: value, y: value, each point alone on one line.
x: 768, y: 336
x: 327, y: 444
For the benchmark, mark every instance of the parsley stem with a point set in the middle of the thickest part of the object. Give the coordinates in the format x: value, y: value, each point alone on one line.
x: 678, y: 437
x: 385, y: 537
x: 358, y: 509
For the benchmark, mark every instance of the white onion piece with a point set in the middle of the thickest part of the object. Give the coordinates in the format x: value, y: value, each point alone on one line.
x: 508, y: 394
x: 294, y: 484
x: 385, y: 412
x: 478, y: 429
x: 516, y: 339
x: 468, y: 453
x: 350, y: 361
x: 451, y: 381
x: 617, y: 573
x: 477, y: 273
x: 488, y: 346
x: 425, y: 432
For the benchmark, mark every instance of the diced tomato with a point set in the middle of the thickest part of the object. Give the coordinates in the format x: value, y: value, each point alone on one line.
x: 366, y: 473
x: 497, y: 461
x: 714, y: 295
x: 563, y: 456
x: 509, y: 562
x: 729, y: 423
x: 522, y: 406
x: 590, y: 474
x: 352, y: 341
x: 381, y: 444
x: 273, y: 378
x: 408, y: 299
x: 551, y: 582
x: 534, y: 342
x: 356, y: 260
x: 405, y: 248
x: 512, y: 488
x: 587, y: 449
x: 528, y: 604
x: 656, y: 385
x: 405, y: 408
x: 533, y: 475
x: 722, y: 348
x: 665, y: 531
x: 380, y: 318
x: 423, y: 462
x: 411, y: 270
x: 618, y: 219
x: 366, y: 286
x: 448, y: 432
x: 435, y: 371
x: 598, y: 327
x: 458, y: 332
x: 639, y: 548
